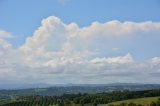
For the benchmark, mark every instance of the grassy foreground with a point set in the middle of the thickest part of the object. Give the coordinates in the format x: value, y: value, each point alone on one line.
x: 144, y: 101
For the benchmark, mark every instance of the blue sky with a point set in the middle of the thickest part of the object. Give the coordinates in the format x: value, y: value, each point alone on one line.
x: 103, y: 39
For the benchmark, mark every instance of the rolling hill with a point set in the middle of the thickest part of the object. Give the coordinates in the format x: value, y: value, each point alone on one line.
x: 144, y: 101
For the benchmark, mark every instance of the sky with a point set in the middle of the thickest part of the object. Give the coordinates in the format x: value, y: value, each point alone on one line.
x: 79, y: 41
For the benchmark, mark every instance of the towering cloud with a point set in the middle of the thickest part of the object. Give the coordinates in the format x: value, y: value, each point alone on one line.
x: 66, y: 53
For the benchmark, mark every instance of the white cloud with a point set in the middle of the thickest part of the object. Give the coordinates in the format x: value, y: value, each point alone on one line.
x: 66, y: 53
x: 53, y: 36
x: 155, y: 60
x: 5, y: 34
x: 3, y: 43
x: 120, y: 59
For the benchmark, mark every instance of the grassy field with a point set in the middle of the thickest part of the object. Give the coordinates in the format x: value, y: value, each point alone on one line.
x: 144, y: 101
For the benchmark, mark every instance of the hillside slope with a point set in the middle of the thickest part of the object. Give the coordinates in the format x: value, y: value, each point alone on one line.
x: 144, y: 101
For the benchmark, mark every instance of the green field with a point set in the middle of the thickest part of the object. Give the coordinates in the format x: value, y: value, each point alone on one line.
x: 144, y: 101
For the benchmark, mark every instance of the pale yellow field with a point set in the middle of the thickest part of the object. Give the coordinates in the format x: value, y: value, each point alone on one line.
x: 144, y: 101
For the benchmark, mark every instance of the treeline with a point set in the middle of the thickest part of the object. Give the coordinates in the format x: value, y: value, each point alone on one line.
x: 104, y: 98
x: 69, y: 99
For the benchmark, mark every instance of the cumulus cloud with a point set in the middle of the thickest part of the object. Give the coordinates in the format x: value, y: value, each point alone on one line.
x: 3, y: 35
x: 66, y: 53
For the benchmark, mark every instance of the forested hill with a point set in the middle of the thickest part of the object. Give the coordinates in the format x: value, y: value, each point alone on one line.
x: 83, y: 99
x: 74, y: 89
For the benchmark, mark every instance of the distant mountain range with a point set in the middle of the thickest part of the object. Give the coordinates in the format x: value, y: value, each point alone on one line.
x: 11, y: 86
x: 60, y: 89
